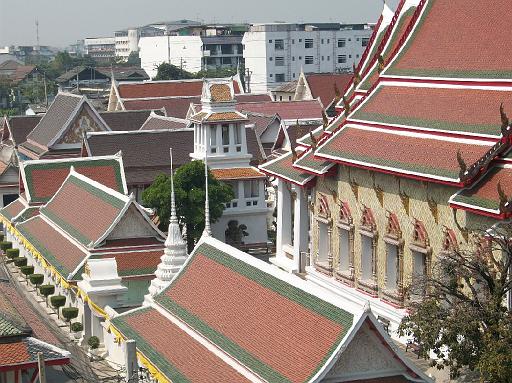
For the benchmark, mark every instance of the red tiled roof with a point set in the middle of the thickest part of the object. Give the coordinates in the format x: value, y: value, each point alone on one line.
x: 484, y: 194
x: 236, y: 173
x: 43, y: 179
x: 165, y: 89
x: 322, y: 85
x: 136, y: 262
x: 256, y: 313
x: 426, y: 155
x: 52, y: 245
x: 448, y: 35
x: 464, y: 110
x: 131, y: 242
x: 13, y: 353
x: 174, y: 107
x: 13, y: 209
x: 290, y: 110
x: 175, y: 353
x: 84, y: 211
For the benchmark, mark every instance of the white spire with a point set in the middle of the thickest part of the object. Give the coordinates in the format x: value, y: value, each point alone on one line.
x: 207, y: 229
x: 175, y: 253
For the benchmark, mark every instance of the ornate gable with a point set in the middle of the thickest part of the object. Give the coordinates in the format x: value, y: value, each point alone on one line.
x: 420, y: 235
x: 368, y: 220
x: 450, y: 240
x: 85, y: 121
x: 323, y: 210
x: 393, y: 226
x: 345, y: 213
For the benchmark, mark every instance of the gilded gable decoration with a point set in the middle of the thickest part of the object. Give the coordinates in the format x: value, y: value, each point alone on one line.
x: 420, y: 235
x: 345, y: 214
x: 323, y: 210
x: 368, y: 220
x: 393, y: 226
x: 450, y: 240
x: 432, y: 205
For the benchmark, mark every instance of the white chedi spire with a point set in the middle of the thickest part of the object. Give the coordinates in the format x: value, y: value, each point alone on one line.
x: 175, y: 253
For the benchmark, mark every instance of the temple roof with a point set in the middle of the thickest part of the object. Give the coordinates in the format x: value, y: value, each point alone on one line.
x: 402, y: 152
x: 126, y: 120
x: 13, y: 209
x: 287, y: 110
x: 174, y: 106
x: 447, y: 35
x: 436, y: 108
x: 282, y: 167
x: 16, y: 128
x: 484, y: 196
x: 258, y: 335
x: 310, y: 164
x: 322, y: 85
x: 237, y: 173
x: 135, y: 262
x: 156, y: 122
x: 42, y: 178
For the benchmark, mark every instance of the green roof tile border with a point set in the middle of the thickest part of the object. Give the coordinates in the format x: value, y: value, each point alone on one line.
x: 77, y: 165
x: 308, y: 301
x: 295, y: 175
x: 167, y: 368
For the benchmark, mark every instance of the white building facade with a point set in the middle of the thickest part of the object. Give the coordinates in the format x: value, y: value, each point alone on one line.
x: 277, y: 53
x: 100, y: 48
x: 126, y: 42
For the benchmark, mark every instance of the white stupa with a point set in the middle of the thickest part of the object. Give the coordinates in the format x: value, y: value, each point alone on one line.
x: 175, y: 253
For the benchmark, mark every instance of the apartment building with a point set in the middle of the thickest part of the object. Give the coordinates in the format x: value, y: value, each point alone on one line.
x: 279, y: 52
x: 101, y: 49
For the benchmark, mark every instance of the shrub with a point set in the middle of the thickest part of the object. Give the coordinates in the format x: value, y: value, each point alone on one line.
x: 36, y: 279
x: 46, y: 291
x: 93, y: 342
x: 57, y: 301
x: 4, y: 245
x: 77, y: 327
x: 1, y: 236
x: 12, y: 253
x: 69, y: 313
x: 21, y: 262
x: 27, y: 270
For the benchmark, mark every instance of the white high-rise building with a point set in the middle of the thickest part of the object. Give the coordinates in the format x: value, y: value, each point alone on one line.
x: 277, y: 53
x: 126, y: 42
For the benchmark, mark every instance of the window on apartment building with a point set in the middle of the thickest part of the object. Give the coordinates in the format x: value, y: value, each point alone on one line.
x: 328, y: 58
x: 290, y: 98
x: 279, y: 61
x: 364, y: 41
x: 357, y: 56
x: 323, y: 58
x: 308, y: 43
x: 293, y: 58
x: 227, y: 60
x: 342, y: 43
x: 270, y: 41
x: 280, y: 98
x: 309, y: 60
x: 300, y: 40
x: 349, y: 56
x: 226, y: 49
x: 300, y: 58
x: 391, y: 266
x: 271, y: 59
x: 293, y: 41
x: 328, y: 41
x: 279, y: 45
x: 225, y: 137
x: 322, y: 41
x: 234, y: 186
x: 366, y: 257
x: 344, y: 249
x: 349, y: 39
x: 342, y: 59
x: 294, y: 75
x: 270, y: 75
x: 213, y: 139
x: 280, y: 77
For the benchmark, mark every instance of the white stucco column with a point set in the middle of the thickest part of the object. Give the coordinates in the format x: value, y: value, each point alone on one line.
x: 300, y: 226
x: 283, y: 217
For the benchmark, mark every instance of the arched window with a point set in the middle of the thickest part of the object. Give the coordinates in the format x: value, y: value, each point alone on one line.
x: 368, y: 266
x: 345, y: 260
x: 324, y: 260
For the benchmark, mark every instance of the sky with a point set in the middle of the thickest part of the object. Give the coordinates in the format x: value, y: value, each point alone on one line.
x: 62, y: 22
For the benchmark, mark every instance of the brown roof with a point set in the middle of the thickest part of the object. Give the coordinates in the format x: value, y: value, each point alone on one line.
x: 225, y: 116
x: 287, y: 87
x: 15, y: 72
x: 289, y: 110
x: 164, y: 123
x: 125, y: 120
x: 179, y: 88
x: 236, y: 173
x: 260, y: 121
x: 174, y: 106
x: 54, y: 120
x: 322, y: 85
x: 21, y: 126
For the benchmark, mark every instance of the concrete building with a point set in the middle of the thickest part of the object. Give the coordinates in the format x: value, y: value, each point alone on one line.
x: 101, y: 49
x: 277, y: 53
x: 126, y: 42
x: 193, y: 48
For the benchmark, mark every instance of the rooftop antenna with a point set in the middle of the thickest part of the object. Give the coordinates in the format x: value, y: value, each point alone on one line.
x: 207, y: 229
x: 37, y: 35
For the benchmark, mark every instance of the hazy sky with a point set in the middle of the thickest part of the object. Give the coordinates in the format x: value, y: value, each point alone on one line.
x: 62, y: 22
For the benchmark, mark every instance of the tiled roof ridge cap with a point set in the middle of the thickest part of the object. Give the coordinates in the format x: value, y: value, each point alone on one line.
x: 54, y: 348
x: 157, y: 98
x: 116, y: 157
x: 135, y: 132
x: 165, y: 118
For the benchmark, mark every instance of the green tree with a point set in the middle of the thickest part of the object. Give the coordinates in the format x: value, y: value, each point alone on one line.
x: 167, y: 71
x: 463, y: 317
x: 133, y: 59
x: 189, y: 185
